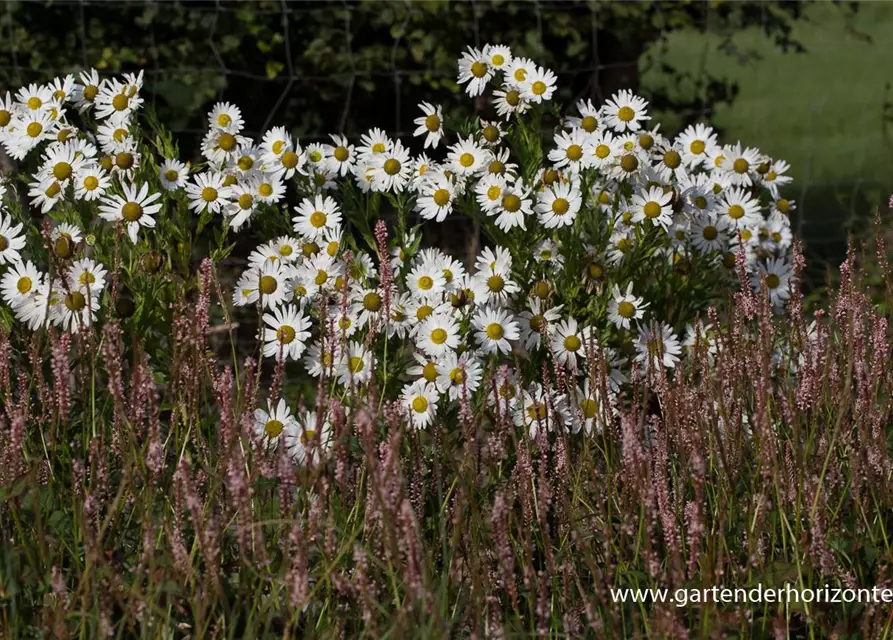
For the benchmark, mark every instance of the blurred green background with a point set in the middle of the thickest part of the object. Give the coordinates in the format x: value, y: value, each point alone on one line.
x: 809, y: 82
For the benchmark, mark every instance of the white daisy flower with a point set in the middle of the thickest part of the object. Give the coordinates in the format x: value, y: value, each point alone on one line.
x: 392, y: 169
x: 317, y: 217
x: 625, y: 111
x: 309, y: 438
x: 514, y: 207
x: 741, y: 163
x: 739, y: 209
x: 778, y: 274
x: 87, y: 275
x: 709, y: 233
x: 208, y: 192
x: 540, y: 85
x: 226, y: 117
x: 697, y: 141
x: 588, y: 119
x: 499, y: 56
x: 12, y: 240
x: 569, y: 151
x: 624, y: 307
x: 566, y: 342
x: 73, y: 311
x: 355, y: 366
x: 509, y: 101
x: 19, y: 282
x: 475, y: 69
x: 535, y: 322
x: 91, y: 182
x: 657, y: 345
x: 458, y: 374
x: 272, y: 424
x: 420, y: 399
x: 435, y: 201
x: 519, y: 71
x: 495, y: 330
x: 437, y: 335
x: 85, y: 92
x: 558, y: 205
x: 425, y: 281
x: 323, y: 358
x: 286, y: 333
x: 652, y: 204
x: 466, y: 158
x: 46, y: 193
x: 135, y: 208
x: 429, y: 125
x: 173, y: 174
x: 374, y: 143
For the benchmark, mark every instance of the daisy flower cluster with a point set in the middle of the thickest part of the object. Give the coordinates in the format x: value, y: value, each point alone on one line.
x: 606, y: 241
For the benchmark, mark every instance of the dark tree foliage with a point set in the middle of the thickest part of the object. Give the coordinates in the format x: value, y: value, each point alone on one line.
x: 329, y: 66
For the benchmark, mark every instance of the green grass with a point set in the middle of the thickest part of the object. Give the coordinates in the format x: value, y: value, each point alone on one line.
x: 822, y: 110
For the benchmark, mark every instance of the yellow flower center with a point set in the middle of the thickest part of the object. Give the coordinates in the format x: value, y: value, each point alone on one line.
x: 246, y: 201
x: 356, y: 364
x: 626, y: 114
x: 278, y: 146
x: 24, y: 285
x: 132, y: 211
x: 495, y: 283
x: 538, y: 88
x: 310, y: 249
x: 432, y: 123
x: 479, y: 69
x: 772, y: 281
x: 740, y: 165
x: 63, y: 246
x: 560, y: 206
x: 497, y: 60
x: 268, y: 285
x: 124, y: 160
x: 285, y: 334
x: 35, y: 103
x: 574, y: 152
x: 34, y: 129
x: 53, y: 190
x: 511, y: 203
x: 466, y: 160
x: 120, y: 102
x: 75, y: 301
x: 736, y: 211
x: 602, y: 151
x: 372, y: 301
x: 429, y: 372
x: 495, y: 331
x: 629, y: 163
x: 439, y: 336
x: 626, y: 309
x: 646, y: 141
x: 512, y: 97
x: 542, y: 289
x: 572, y: 343
x: 5, y: 117
x: 697, y: 147
x: 493, y: 192
x: 341, y: 154
x: 227, y: 142
x: 441, y: 197
x: 710, y: 233
x: 318, y: 219
x: 651, y: 209
x: 392, y: 166
x: 426, y: 283
x: 589, y: 124
x: 537, y: 411
x: 420, y: 404
x: 496, y: 167
x: 491, y: 133
x: 423, y: 312
x: 783, y: 205
x: 672, y: 159
x: 223, y: 120
x: 273, y: 428
x: 701, y: 202
x: 62, y: 171
x: 321, y: 277
x: 589, y: 408
x: 378, y: 147
x: 289, y: 159
x: 209, y: 194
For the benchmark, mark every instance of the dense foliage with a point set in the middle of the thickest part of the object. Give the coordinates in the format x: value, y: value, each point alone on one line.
x: 621, y: 388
